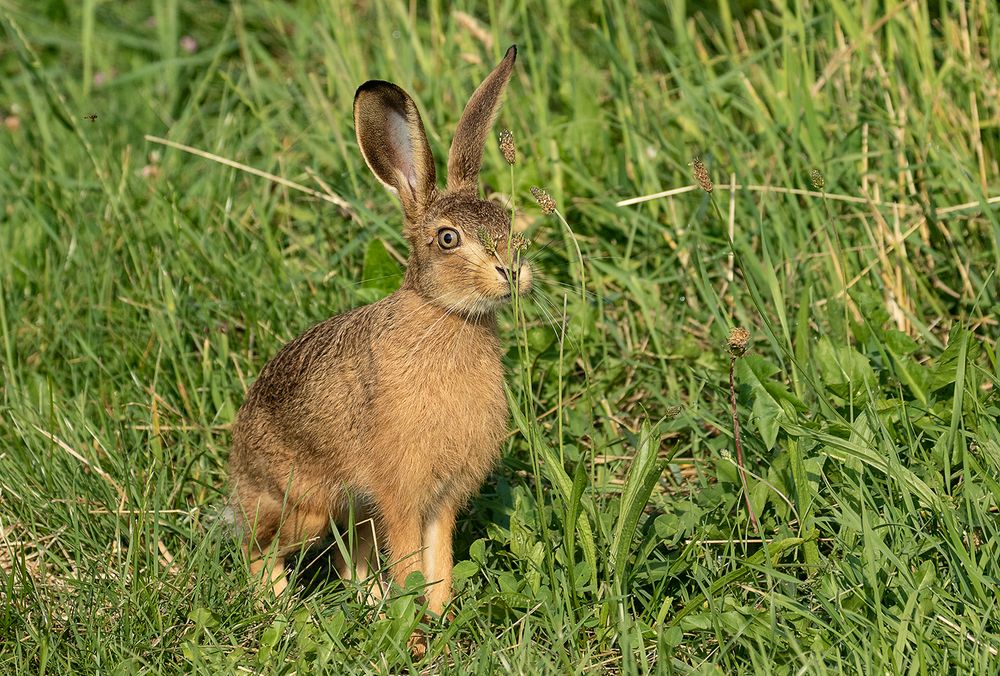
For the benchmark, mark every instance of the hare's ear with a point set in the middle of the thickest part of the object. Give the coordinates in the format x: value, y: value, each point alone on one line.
x: 393, y: 141
x: 467, y: 149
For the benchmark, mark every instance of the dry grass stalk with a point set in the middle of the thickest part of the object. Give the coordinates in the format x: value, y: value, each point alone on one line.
x: 853, y: 199
x: 331, y: 197
x: 739, y: 340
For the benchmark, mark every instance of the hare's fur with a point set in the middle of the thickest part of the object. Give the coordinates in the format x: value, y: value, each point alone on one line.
x: 393, y: 413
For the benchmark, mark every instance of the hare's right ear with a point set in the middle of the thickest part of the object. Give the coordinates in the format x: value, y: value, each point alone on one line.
x: 393, y: 141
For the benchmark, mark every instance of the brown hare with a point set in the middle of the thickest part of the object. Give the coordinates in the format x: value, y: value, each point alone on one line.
x: 393, y: 412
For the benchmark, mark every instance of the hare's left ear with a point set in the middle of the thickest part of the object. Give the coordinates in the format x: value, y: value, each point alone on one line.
x: 466, y: 154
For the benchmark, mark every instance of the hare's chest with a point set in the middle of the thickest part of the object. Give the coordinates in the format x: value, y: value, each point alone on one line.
x: 461, y: 407
x: 449, y: 418
x: 464, y: 441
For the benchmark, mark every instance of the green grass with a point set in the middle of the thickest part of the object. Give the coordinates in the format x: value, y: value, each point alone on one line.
x: 143, y: 288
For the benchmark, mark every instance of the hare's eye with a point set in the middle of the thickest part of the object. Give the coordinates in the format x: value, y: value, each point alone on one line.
x: 448, y: 238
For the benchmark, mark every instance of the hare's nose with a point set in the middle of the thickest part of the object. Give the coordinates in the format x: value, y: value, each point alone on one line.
x: 507, y: 274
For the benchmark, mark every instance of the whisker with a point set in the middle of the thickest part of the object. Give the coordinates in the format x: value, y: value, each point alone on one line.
x: 549, y: 319
x: 536, y: 254
x: 447, y: 312
x: 473, y: 263
x: 371, y: 279
x: 542, y: 279
x: 557, y: 311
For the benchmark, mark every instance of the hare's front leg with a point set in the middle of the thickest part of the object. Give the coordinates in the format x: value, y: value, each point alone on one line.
x: 438, y: 532
x: 401, y: 526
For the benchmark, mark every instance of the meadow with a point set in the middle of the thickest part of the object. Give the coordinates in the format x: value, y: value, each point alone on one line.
x: 851, y: 227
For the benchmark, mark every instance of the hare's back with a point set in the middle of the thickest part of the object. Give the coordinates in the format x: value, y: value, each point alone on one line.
x: 314, y: 388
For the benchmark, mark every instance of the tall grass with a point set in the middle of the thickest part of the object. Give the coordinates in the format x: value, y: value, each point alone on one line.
x: 142, y: 288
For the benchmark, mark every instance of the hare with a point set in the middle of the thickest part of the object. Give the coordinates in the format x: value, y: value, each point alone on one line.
x: 392, y: 412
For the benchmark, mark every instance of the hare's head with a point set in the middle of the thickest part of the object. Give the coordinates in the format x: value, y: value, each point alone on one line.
x: 463, y: 256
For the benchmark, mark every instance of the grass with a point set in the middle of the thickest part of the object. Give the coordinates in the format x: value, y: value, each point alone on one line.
x: 144, y: 287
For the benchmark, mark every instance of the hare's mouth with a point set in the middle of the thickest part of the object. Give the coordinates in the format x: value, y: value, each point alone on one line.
x: 509, y: 296
x: 499, y: 300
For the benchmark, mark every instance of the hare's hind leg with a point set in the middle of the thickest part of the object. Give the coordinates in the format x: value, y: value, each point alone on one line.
x: 261, y: 520
x: 274, y: 529
x: 363, y: 558
x: 268, y: 569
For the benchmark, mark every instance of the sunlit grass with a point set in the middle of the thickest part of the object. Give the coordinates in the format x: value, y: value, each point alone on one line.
x: 143, y: 287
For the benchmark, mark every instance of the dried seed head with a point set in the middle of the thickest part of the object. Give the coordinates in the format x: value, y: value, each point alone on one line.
x: 486, y: 240
x: 701, y: 175
x: 507, y: 146
x: 738, y: 340
x: 544, y: 200
x: 817, y: 179
x: 519, y: 242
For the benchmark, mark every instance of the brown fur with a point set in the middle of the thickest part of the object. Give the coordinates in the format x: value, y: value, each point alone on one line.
x: 394, y: 411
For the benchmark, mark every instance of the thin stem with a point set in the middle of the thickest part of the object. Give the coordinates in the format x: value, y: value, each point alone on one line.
x: 579, y: 254
x: 739, y: 444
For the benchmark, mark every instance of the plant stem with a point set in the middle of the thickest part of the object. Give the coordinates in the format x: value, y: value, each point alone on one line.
x: 739, y: 443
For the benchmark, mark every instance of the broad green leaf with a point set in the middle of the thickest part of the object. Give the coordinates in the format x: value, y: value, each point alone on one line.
x: 477, y: 551
x: 642, y: 476
x: 913, y: 375
x: 464, y: 569
x: 899, y: 343
x: 381, y: 273
x: 768, y: 413
x: 558, y: 477
x: 845, y: 371
x: 958, y: 353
